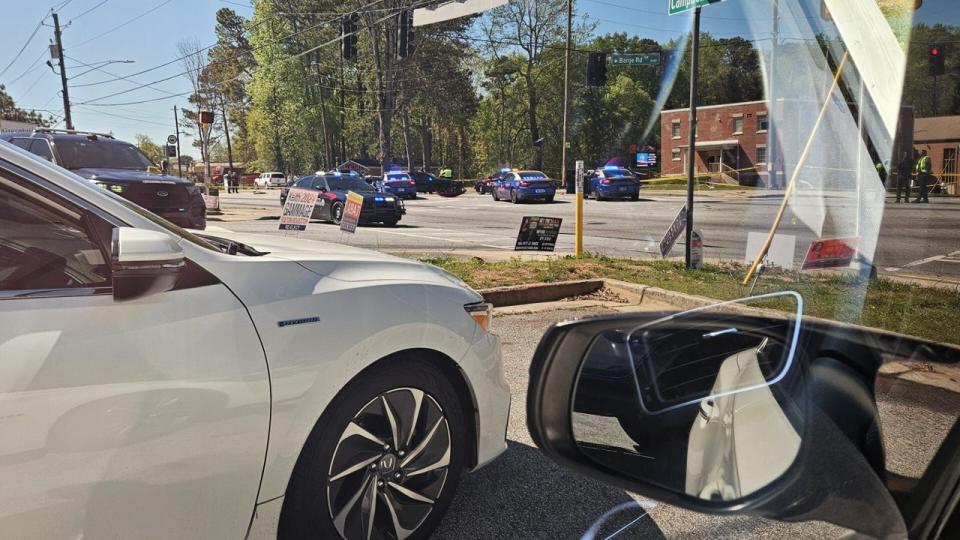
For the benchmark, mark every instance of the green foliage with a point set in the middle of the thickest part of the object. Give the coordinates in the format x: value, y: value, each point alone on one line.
x: 153, y: 150
x: 10, y: 111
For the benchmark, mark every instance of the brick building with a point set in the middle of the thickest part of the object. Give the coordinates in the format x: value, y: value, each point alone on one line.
x: 731, y: 142
x: 940, y: 137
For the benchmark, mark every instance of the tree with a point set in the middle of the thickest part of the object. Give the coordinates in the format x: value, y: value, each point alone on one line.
x: 10, y: 111
x: 152, y: 150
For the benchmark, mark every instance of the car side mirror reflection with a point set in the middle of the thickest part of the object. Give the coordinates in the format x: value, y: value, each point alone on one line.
x: 695, y: 403
x: 143, y: 262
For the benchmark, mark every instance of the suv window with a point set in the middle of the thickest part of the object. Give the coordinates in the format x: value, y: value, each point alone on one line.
x: 22, y: 142
x: 306, y: 182
x: 77, y: 153
x: 276, y: 175
x: 41, y: 148
x: 45, y: 248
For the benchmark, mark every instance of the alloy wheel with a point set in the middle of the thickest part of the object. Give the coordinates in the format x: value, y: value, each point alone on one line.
x: 389, y: 466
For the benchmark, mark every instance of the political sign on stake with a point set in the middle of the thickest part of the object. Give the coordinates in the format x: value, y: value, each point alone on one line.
x: 351, y: 212
x: 830, y: 253
x: 670, y: 237
x: 297, y: 209
x: 538, y: 234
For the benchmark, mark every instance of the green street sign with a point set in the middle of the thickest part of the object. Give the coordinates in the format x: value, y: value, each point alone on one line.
x: 634, y: 59
x: 675, y: 7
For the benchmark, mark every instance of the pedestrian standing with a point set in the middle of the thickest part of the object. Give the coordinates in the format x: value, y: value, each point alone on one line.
x: 923, y: 177
x: 904, y: 177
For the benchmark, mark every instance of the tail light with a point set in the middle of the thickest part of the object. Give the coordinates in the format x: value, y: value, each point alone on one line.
x: 412, y: 183
x: 524, y: 184
x: 605, y: 181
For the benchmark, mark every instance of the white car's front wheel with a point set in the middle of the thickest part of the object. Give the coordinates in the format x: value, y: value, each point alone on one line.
x: 384, y: 462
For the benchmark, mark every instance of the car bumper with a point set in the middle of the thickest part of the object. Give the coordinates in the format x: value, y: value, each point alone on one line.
x: 615, y: 192
x: 534, y: 196
x: 483, y: 366
x: 379, y: 215
x: 188, y: 218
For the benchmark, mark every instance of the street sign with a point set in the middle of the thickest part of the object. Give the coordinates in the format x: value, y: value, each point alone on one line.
x: 538, y: 234
x: 830, y: 253
x: 670, y: 237
x: 297, y: 209
x: 171, y: 139
x: 351, y: 212
x: 696, y: 250
x: 634, y: 59
x: 646, y: 159
x: 675, y: 7
x: 578, y: 176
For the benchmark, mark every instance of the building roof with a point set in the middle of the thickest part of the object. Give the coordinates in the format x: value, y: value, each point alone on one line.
x: 717, y: 106
x: 936, y: 128
x: 713, y: 145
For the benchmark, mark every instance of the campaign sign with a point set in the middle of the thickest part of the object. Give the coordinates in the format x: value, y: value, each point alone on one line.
x: 696, y: 249
x: 212, y: 202
x: 646, y: 159
x: 351, y: 212
x: 538, y: 233
x: 297, y: 209
x: 670, y: 237
x: 830, y: 253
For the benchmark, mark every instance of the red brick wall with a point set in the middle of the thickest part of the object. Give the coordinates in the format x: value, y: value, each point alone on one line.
x: 716, y: 124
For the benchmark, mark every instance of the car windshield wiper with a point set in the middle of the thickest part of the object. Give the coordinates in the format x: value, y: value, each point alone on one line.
x: 231, y: 247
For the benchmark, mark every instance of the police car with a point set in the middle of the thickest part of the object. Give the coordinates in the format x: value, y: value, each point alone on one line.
x: 517, y: 186
x: 614, y: 182
x: 334, y: 186
x: 399, y: 183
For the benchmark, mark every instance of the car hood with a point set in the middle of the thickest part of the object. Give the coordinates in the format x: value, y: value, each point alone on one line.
x: 126, y: 175
x: 340, y: 262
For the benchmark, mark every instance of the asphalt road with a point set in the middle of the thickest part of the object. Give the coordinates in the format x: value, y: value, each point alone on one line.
x: 523, y: 494
x: 915, y: 239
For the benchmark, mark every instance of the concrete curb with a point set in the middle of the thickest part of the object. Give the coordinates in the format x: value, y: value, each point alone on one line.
x: 539, y: 292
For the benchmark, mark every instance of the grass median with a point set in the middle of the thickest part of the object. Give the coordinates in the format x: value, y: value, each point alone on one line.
x: 925, y: 312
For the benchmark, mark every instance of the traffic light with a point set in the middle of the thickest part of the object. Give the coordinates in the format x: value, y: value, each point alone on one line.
x: 597, y: 69
x: 936, y: 60
x: 348, y: 36
x: 405, y: 34
x: 206, y: 117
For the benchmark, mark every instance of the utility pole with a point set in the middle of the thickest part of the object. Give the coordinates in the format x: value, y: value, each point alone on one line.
x: 176, y: 123
x: 63, y: 72
x: 578, y: 210
x: 692, y: 154
x: 226, y: 131
x: 772, y: 172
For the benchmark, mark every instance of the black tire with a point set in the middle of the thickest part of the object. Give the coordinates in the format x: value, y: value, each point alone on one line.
x: 307, y: 511
x: 495, y: 196
x: 336, y: 212
x: 549, y: 199
x: 391, y: 222
x: 513, y: 196
x: 635, y: 197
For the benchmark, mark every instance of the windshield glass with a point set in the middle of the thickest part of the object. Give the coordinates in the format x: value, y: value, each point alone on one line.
x: 532, y: 175
x: 348, y: 184
x: 100, y: 154
x: 398, y: 177
x: 612, y: 173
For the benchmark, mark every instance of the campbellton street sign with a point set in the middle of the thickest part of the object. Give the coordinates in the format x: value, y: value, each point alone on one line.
x: 675, y: 7
x: 634, y: 59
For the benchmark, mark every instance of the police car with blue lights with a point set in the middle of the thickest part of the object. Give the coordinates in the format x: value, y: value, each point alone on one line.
x: 399, y: 183
x: 522, y: 186
x: 613, y: 182
x: 377, y: 207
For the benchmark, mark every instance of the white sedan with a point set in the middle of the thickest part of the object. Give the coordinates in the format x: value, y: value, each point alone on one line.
x: 158, y: 384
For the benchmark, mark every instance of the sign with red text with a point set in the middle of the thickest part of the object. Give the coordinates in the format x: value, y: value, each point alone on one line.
x: 297, y: 209
x: 830, y: 253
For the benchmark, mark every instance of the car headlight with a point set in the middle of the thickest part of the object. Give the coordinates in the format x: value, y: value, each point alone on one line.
x: 116, y: 188
x: 389, y: 199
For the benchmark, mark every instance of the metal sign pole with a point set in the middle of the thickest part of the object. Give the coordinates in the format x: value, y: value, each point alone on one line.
x: 578, y: 212
x: 692, y: 153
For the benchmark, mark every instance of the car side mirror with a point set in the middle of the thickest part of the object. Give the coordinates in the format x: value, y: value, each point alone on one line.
x: 143, y: 262
x: 711, y: 410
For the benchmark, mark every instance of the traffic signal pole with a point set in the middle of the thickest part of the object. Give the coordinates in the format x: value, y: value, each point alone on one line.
x: 692, y: 153
x: 578, y: 211
x: 176, y: 123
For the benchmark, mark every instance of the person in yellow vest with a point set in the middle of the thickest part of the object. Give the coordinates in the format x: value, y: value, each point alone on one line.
x: 923, y: 177
x: 446, y: 173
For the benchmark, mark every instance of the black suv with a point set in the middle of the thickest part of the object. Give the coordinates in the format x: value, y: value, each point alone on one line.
x: 119, y: 167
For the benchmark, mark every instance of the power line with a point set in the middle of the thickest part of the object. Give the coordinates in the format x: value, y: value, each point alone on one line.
x: 98, y: 68
x: 29, y: 39
x: 102, y: 2
x: 121, y: 25
x: 33, y: 66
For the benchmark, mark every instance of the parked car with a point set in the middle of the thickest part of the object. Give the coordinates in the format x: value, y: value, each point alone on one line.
x: 426, y: 182
x: 612, y: 182
x: 158, y: 383
x: 119, y: 167
x: 399, y: 183
x: 523, y: 186
x: 449, y: 188
x: 487, y: 184
x: 270, y: 179
x: 377, y: 207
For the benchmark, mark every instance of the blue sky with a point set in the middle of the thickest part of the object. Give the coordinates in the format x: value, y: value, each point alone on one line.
x: 147, y: 32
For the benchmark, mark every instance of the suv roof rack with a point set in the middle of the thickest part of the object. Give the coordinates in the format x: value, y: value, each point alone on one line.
x: 71, y: 132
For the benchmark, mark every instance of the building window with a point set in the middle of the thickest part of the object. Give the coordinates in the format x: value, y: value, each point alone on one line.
x: 675, y: 129
x: 761, y: 154
x: 737, y: 125
x: 675, y: 154
x: 762, y: 123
